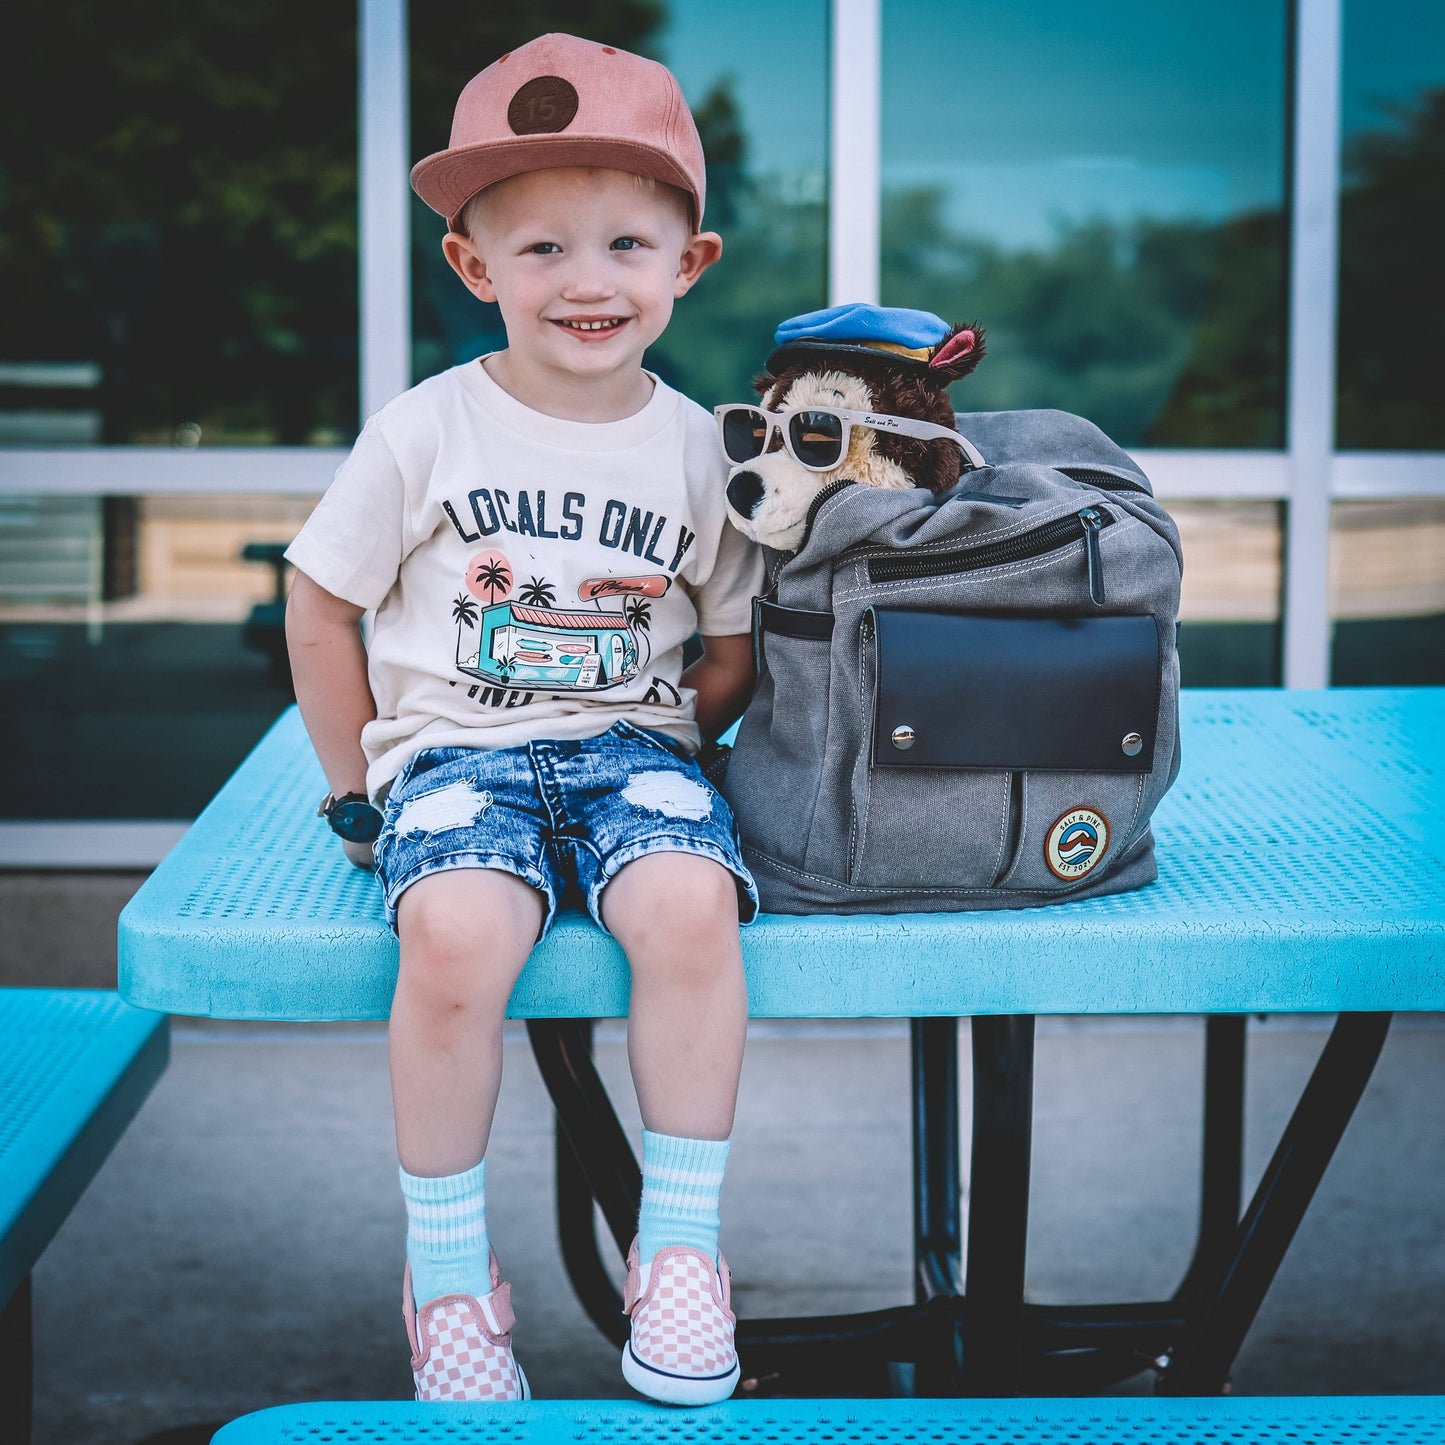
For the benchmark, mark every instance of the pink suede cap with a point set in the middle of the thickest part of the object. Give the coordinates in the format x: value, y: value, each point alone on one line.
x: 562, y: 101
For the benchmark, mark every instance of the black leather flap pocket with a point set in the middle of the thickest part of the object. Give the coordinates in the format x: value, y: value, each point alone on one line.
x: 1059, y: 694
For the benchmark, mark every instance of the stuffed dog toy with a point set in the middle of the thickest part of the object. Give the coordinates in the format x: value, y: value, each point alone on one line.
x: 850, y: 394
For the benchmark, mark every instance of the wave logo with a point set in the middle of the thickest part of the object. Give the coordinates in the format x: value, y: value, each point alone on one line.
x: 1076, y: 843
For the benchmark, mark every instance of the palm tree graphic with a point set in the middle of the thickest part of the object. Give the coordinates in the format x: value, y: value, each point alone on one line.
x: 464, y: 610
x: 638, y: 614
x: 494, y: 577
x: 537, y: 593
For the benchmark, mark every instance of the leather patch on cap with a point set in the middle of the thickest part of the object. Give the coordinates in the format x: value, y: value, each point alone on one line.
x: 542, y: 106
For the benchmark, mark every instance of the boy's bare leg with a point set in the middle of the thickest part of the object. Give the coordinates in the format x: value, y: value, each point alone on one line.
x: 465, y: 934
x: 676, y: 917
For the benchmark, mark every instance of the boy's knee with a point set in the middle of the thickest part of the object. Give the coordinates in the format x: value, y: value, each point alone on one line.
x: 466, y: 937
x: 677, y: 907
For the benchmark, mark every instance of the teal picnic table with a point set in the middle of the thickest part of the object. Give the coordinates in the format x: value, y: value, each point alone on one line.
x: 1298, y: 874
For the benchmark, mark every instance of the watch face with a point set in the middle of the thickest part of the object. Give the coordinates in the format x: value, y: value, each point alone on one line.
x: 356, y: 822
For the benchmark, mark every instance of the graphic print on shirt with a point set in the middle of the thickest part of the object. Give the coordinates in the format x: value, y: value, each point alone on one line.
x: 527, y: 640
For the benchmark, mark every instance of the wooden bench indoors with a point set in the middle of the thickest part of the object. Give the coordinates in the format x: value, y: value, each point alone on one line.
x: 1298, y: 874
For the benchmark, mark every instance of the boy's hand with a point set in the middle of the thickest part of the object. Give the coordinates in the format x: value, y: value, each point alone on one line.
x: 360, y: 853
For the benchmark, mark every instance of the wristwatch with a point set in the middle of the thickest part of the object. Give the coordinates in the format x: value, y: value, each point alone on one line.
x: 351, y: 817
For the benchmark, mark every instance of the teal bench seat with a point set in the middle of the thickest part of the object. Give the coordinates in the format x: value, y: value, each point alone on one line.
x: 75, y: 1066
x: 1262, y: 1420
x: 1298, y: 873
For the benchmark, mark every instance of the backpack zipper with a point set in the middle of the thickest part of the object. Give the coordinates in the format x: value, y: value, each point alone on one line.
x: 1104, y: 481
x: 1082, y: 526
x: 831, y: 490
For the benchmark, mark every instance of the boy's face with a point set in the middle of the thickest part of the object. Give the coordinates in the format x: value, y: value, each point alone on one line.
x: 585, y: 265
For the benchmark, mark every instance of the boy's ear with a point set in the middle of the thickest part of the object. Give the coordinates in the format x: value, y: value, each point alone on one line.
x: 700, y: 252
x: 464, y: 258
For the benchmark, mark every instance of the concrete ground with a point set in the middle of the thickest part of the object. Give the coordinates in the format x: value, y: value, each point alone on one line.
x: 242, y: 1247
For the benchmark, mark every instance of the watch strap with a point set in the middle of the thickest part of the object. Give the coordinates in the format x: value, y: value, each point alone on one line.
x: 330, y: 802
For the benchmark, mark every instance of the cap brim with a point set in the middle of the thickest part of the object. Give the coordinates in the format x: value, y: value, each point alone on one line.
x: 790, y: 353
x: 448, y: 179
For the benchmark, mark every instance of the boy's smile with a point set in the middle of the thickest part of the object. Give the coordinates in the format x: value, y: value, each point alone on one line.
x: 585, y: 265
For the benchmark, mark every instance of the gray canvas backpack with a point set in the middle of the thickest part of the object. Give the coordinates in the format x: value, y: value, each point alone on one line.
x: 966, y: 700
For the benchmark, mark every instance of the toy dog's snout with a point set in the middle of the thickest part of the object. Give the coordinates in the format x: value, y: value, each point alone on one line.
x: 745, y: 492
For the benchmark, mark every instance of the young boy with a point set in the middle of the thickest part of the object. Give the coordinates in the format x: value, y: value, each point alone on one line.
x: 539, y: 531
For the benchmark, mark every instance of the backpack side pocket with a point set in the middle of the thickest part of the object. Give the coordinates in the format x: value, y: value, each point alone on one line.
x: 962, y: 815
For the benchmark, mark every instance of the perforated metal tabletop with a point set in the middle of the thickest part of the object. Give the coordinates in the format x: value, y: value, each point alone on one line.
x: 1298, y: 872
x: 1273, y: 1421
x: 75, y: 1066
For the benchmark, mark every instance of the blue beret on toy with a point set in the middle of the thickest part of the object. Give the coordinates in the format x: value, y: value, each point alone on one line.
x: 917, y: 341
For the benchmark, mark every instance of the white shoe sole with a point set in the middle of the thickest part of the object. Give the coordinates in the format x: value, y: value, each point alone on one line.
x: 676, y: 1389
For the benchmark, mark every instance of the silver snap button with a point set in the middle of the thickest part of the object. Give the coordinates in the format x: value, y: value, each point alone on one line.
x: 903, y: 736
x: 1133, y: 745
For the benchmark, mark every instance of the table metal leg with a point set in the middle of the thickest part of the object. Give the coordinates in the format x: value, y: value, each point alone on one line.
x: 937, y: 1185
x: 998, y: 1204
x: 808, y: 1355
x: 1222, y: 1152
x: 1074, y: 1349
x: 594, y: 1162
x: 16, y: 1366
x: 1234, y: 1290
x: 991, y: 1342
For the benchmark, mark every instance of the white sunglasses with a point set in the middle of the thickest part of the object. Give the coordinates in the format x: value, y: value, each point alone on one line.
x: 817, y: 437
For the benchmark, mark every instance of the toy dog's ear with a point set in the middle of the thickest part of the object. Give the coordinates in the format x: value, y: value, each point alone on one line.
x: 763, y: 383
x: 960, y: 351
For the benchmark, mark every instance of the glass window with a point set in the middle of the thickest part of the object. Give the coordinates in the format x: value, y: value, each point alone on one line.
x: 1103, y: 187
x: 1392, y: 216
x: 1387, y: 592
x: 178, y: 228
x: 1229, y: 610
x: 137, y: 629
x: 761, y: 108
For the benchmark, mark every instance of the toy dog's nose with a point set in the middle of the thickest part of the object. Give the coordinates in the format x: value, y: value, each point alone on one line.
x: 745, y: 492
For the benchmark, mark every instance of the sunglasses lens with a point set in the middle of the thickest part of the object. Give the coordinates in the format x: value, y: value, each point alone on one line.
x: 817, y: 438
x: 744, y: 432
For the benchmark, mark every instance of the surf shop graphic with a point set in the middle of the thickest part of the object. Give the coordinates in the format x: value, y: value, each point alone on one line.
x: 527, y: 640
x: 1076, y: 843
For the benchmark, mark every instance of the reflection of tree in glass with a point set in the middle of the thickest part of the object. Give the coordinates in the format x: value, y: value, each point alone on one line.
x: 725, y: 144
x: 1161, y: 333
x: 191, y: 227
x: 1392, y: 287
x: 774, y: 266
x: 1172, y: 333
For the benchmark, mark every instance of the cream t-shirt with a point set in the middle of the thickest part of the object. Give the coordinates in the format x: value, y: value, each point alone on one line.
x: 532, y: 577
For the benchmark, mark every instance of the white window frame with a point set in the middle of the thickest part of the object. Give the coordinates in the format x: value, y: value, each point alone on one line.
x: 1307, y: 476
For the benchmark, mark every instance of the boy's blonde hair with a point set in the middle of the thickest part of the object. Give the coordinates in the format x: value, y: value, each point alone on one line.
x: 471, y: 213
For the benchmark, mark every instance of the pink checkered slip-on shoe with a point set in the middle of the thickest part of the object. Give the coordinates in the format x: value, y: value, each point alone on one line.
x: 681, y: 1351
x: 461, y: 1346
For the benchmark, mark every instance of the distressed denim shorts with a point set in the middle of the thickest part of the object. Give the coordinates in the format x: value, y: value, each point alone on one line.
x: 562, y: 815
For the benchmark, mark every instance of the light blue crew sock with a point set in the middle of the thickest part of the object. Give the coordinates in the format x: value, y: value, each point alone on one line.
x: 446, y: 1234
x: 681, y: 1182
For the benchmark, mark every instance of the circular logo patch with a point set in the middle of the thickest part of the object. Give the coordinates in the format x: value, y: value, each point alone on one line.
x: 542, y: 106
x: 1075, y: 843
